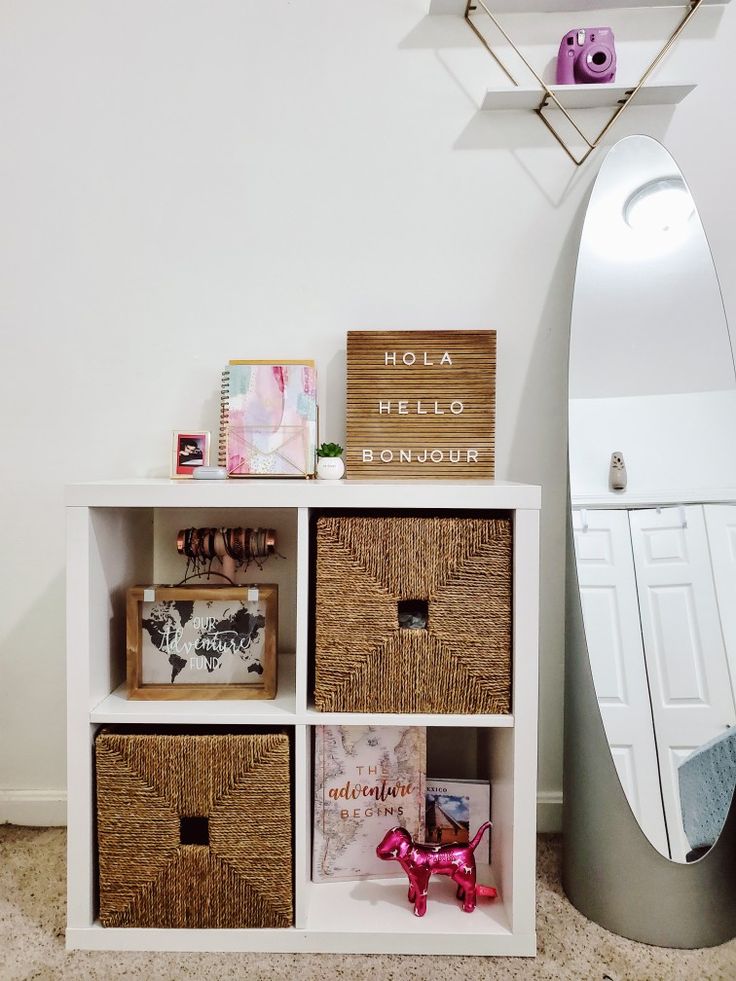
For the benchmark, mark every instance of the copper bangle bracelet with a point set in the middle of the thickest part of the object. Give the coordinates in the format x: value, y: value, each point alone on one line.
x: 240, y: 544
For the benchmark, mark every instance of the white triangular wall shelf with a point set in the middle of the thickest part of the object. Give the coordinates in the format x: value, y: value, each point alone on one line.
x: 586, y: 96
x: 573, y: 98
x: 556, y: 6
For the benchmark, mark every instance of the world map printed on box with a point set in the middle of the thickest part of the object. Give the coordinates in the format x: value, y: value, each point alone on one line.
x: 367, y: 779
x: 202, y: 642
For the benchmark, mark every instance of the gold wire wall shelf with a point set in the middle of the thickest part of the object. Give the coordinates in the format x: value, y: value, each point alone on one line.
x: 545, y: 99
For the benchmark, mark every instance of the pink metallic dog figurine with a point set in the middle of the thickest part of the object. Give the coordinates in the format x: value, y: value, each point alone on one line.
x: 420, y: 861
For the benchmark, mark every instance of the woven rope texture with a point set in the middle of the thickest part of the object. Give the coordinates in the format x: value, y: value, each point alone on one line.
x: 365, y: 662
x: 240, y: 783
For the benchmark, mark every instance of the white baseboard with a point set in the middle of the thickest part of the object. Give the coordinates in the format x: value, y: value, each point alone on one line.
x: 33, y: 808
x: 549, y: 811
x: 47, y: 808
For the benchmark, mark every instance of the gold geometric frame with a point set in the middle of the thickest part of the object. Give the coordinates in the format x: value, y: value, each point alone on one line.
x: 263, y: 688
x: 549, y: 96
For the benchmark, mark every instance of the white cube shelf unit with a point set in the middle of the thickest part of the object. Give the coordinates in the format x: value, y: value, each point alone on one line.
x: 122, y: 533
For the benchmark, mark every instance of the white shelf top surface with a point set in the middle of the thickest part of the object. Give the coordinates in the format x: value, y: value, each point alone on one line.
x: 276, y: 493
x: 585, y: 96
x: 381, y: 906
x: 118, y: 708
x: 348, y: 917
x: 315, y: 718
x: 457, y: 7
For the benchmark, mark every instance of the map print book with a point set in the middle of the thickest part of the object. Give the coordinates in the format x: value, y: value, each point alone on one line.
x: 455, y: 811
x: 367, y: 779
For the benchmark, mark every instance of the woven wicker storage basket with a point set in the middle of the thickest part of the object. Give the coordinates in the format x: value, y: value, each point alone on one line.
x: 157, y: 793
x: 461, y: 568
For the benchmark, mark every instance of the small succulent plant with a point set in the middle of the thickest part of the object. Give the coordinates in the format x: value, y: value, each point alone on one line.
x: 330, y: 449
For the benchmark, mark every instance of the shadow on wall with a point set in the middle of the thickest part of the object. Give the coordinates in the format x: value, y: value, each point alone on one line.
x: 546, y: 377
x: 335, y: 397
x: 524, y: 135
x: 533, y: 454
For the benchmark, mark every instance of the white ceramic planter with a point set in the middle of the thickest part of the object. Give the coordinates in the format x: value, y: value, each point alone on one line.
x: 330, y: 468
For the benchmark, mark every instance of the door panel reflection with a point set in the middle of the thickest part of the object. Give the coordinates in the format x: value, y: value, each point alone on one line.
x: 656, y: 643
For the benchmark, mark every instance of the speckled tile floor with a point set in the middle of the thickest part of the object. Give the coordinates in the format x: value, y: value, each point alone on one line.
x: 32, y: 907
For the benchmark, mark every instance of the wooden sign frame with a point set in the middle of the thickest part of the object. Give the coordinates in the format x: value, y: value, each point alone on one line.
x: 421, y: 404
x: 264, y: 688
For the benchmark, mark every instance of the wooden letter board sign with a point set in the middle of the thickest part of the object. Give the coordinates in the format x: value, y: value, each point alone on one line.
x: 421, y: 404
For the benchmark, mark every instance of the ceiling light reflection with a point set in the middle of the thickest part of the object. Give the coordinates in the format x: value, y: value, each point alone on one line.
x: 659, y: 206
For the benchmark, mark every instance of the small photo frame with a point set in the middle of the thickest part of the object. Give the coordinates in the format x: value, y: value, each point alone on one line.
x: 189, y: 451
x: 202, y: 642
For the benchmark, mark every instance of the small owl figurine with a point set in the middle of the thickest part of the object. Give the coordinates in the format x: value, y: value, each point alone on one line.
x: 617, y: 474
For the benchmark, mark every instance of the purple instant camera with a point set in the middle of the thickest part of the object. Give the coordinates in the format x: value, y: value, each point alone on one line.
x: 587, y: 55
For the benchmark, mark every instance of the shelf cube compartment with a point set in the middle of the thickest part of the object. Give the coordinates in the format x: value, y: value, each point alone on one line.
x: 413, y: 614
x: 194, y: 830
x: 363, y: 905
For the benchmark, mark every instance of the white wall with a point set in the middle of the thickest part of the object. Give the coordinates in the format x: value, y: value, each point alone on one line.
x: 678, y: 449
x: 183, y: 182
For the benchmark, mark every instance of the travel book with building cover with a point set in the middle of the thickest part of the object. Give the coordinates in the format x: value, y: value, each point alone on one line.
x: 455, y: 811
x: 367, y: 779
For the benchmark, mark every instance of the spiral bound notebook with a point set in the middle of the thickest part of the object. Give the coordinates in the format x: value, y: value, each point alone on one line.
x: 268, y: 419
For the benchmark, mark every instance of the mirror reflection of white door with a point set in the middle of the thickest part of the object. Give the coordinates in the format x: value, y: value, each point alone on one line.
x: 690, y: 686
x: 611, y: 617
x: 720, y: 521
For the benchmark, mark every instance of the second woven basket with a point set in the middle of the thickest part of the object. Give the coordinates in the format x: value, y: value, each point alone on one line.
x: 457, y: 570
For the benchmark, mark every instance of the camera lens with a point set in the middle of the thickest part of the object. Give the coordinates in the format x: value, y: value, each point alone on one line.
x: 599, y: 58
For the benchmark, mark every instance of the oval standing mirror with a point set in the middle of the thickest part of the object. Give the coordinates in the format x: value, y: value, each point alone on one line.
x: 653, y: 491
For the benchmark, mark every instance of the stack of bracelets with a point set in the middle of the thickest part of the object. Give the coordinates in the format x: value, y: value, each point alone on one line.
x: 242, y: 545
